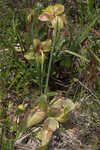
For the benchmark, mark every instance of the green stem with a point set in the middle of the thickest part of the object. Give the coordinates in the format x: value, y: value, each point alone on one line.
x: 50, y: 61
x: 42, y: 70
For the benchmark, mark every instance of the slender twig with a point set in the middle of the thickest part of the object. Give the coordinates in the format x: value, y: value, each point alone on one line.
x: 89, y: 91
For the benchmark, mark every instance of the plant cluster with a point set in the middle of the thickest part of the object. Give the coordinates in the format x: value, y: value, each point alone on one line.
x: 39, y: 44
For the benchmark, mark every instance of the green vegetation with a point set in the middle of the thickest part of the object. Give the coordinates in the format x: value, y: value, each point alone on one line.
x: 49, y: 68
